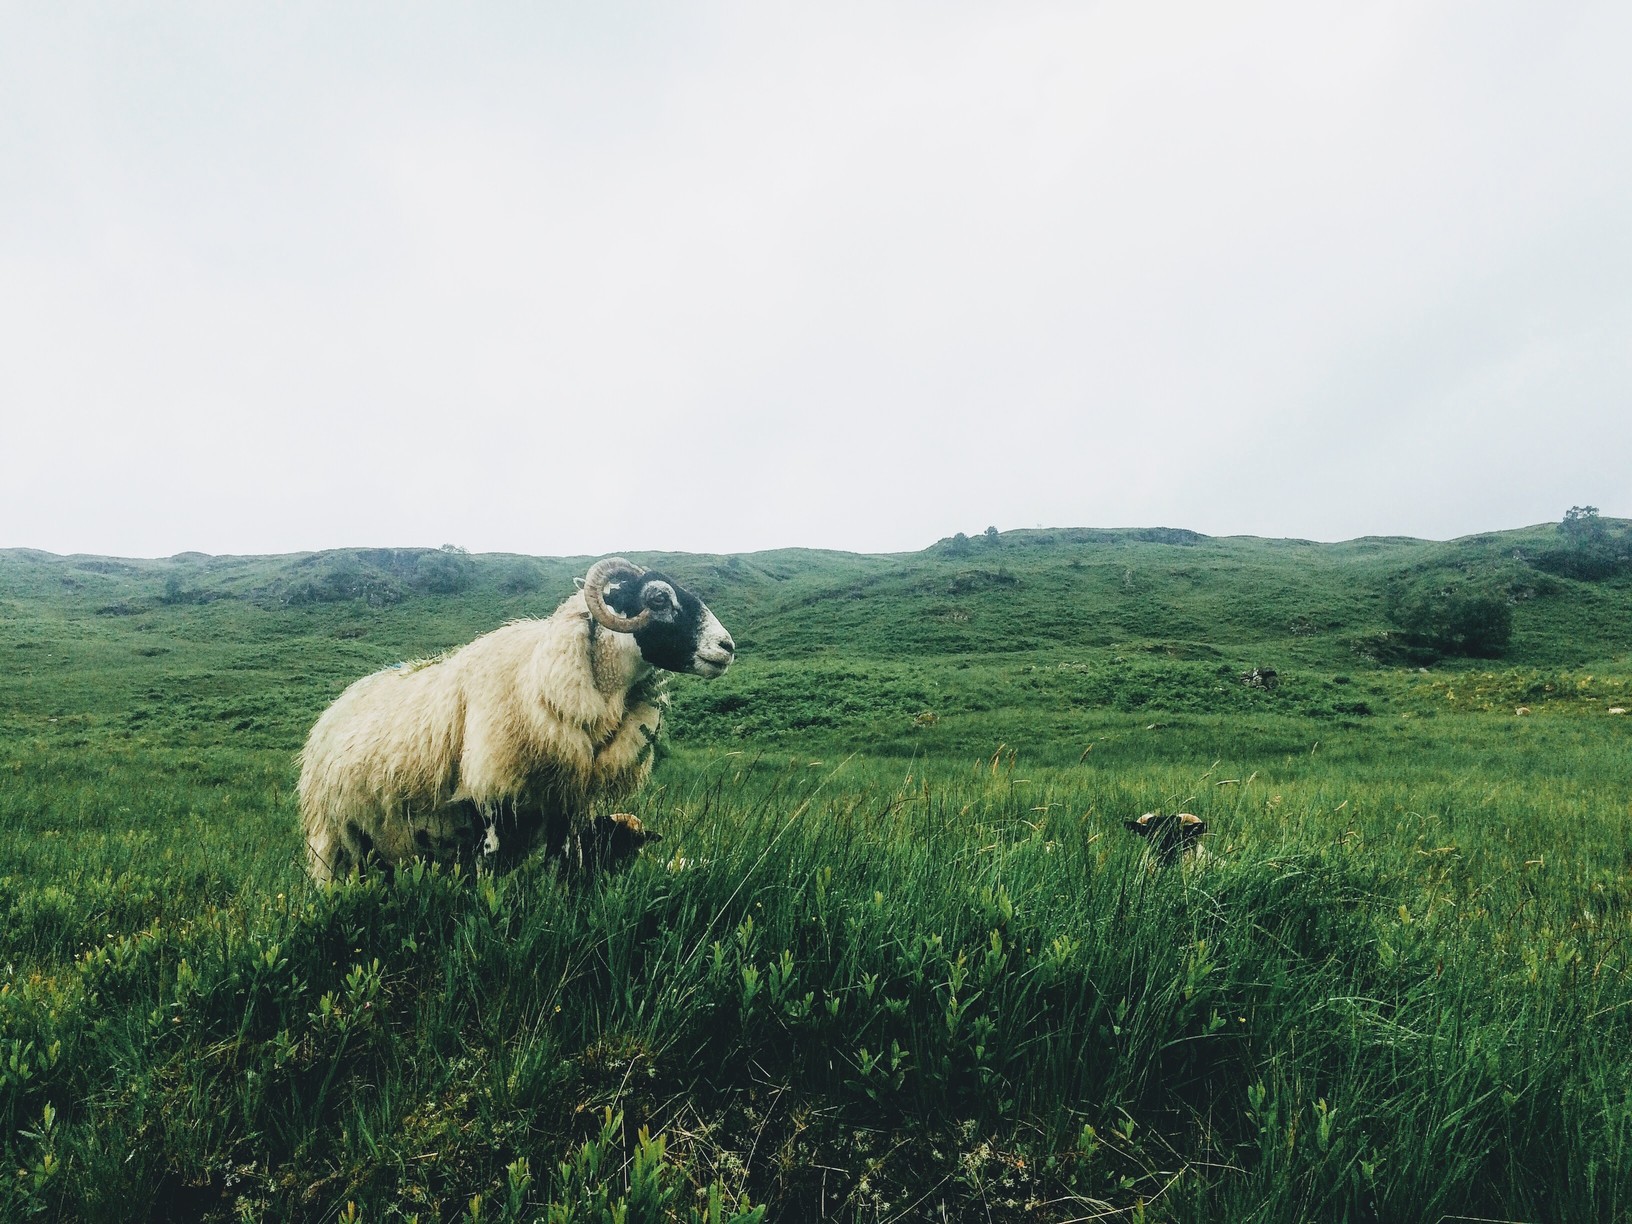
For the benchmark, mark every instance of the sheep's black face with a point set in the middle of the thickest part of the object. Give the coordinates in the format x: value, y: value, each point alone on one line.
x: 1170, y: 835
x: 683, y: 635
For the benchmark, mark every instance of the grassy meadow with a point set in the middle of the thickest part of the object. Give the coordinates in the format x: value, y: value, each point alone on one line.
x: 896, y: 958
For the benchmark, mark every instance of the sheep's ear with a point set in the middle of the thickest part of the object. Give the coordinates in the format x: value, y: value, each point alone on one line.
x: 578, y: 583
x: 1136, y: 827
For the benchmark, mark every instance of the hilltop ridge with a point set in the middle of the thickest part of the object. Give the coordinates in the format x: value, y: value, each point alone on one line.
x: 1015, y: 591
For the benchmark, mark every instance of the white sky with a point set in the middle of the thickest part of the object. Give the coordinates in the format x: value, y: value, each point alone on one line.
x: 556, y: 279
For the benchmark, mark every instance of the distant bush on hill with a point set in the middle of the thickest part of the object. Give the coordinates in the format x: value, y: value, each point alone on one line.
x: 379, y: 577
x: 1587, y: 548
x: 340, y: 577
x: 522, y: 576
x: 980, y: 580
x: 177, y: 592
x: 1458, y: 618
x: 1167, y: 535
x: 447, y: 571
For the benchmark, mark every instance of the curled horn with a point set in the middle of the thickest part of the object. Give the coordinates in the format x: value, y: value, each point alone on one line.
x: 594, y: 587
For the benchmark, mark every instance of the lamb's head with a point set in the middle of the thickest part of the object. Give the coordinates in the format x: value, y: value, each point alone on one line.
x: 1171, y: 835
x: 674, y: 629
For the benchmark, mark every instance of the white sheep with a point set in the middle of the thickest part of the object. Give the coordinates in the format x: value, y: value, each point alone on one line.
x: 477, y: 754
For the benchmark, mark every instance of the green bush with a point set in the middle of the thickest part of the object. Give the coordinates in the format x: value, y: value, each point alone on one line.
x: 341, y: 578
x: 1455, y: 619
x: 521, y: 577
x: 447, y: 571
x: 1587, y: 549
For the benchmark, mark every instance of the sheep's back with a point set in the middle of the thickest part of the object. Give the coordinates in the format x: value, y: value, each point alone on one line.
x: 393, y: 733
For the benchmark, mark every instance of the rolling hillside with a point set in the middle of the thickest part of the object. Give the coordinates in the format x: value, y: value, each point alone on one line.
x: 1159, y: 620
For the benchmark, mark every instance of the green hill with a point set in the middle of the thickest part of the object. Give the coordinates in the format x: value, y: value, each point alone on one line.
x: 1038, y: 622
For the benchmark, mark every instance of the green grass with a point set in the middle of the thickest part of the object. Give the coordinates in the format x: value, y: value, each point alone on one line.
x: 896, y: 956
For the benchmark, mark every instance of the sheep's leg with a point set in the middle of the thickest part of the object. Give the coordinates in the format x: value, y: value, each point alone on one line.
x: 485, y: 838
x: 449, y: 835
x: 484, y: 832
x: 332, y: 854
x: 326, y: 856
x: 508, y: 833
x: 555, y: 830
x: 517, y: 827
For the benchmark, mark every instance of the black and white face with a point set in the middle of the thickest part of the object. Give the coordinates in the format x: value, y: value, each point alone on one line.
x: 683, y: 635
x: 1171, y: 834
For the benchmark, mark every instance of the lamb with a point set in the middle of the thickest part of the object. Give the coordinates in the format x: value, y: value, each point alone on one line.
x: 1171, y: 836
x: 477, y: 755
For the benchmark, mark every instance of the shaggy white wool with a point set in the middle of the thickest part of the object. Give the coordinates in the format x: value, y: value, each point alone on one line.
x: 539, y: 714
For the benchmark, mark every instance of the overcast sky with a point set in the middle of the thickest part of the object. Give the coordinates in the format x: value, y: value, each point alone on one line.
x: 565, y: 279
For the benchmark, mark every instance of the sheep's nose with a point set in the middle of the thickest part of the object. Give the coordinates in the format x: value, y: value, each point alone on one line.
x: 727, y: 645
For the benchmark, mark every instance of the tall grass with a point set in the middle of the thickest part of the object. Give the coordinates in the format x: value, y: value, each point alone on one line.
x: 864, y: 987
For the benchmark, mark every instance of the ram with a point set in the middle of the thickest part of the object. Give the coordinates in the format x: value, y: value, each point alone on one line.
x: 516, y: 738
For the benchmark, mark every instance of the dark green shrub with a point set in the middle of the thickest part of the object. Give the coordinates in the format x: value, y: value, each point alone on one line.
x: 1587, y: 549
x: 1454, y: 619
x: 341, y: 577
x: 447, y: 571
x: 521, y: 577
